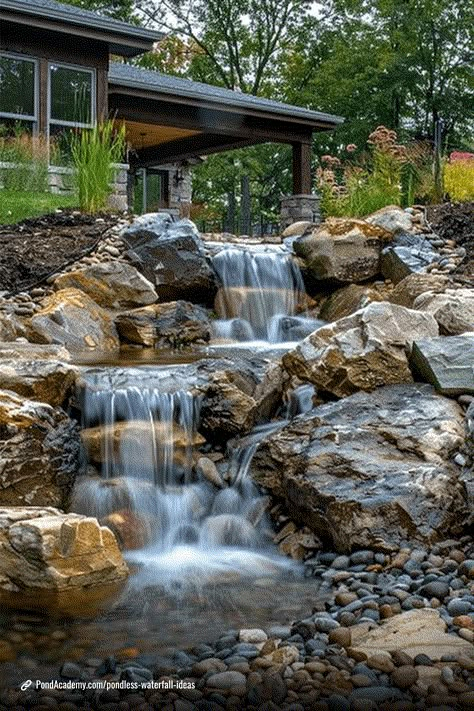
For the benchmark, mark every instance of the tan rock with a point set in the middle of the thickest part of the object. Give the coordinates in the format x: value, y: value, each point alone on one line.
x: 39, y: 452
x: 111, y: 285
x: 44, y: 549
x: 362, y: 351
x: 347, y: 300
x: 284, y: 656
x: 342, y: 249
x: 71, y: 318
x: 131, y: 530
x: 297, y: 228
x: 8, y: 331
x: 414, y: 632
x: 173, y: 325
x: 338, y: 478
x: 33, y: 351
x: 413, y: 285
x: 207, y: 469
x: 140, y: 435
x: 453, y: 310
x: 48, y: 381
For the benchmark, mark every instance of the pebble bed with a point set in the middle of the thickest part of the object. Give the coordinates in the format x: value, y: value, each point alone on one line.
x: 309, y: 665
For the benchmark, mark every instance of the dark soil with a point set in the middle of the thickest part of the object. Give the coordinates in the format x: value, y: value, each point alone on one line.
x: 33, y: 249
x: 456, y: 221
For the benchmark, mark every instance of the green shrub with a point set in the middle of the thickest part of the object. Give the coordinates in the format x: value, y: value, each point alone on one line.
x: 387, y: 174
x: 94, y: 151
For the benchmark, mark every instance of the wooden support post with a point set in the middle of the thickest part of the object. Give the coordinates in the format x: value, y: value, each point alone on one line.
x: 302, y: 168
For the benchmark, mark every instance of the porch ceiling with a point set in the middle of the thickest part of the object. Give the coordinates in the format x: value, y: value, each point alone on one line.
x: 144, y: 135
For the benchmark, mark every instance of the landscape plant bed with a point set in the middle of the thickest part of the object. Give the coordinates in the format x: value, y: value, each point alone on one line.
x: 456, y: 221
x: 33, y: 249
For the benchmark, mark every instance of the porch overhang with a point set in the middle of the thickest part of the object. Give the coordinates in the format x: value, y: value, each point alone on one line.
x: 217, y: 120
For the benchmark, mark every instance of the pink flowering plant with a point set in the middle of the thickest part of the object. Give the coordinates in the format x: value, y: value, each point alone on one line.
x: 357, y: 184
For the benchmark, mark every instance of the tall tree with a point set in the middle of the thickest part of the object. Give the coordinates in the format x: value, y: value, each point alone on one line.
x: 235, y: 43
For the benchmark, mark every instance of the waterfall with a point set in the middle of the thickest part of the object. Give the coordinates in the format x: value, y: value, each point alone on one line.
x: 141, y: 436
x: 262, y: 297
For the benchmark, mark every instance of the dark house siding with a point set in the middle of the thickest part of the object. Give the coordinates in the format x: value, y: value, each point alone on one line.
x: 49, y: 46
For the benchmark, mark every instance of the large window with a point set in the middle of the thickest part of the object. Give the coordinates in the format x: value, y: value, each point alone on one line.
x: 71, y: 96
x: 18, y: 94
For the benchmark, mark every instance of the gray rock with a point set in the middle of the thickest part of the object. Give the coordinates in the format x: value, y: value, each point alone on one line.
x: 391, y: 218
x: 171, y: 256
x: 226, y: 680
x: 407, y: 255
x: 370, y: 468
x: 446, y: 362
x: 435, y: 589
x: 453, y: 309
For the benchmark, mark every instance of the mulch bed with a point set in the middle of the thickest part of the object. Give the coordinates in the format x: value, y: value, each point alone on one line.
x: 456, y: 221
x: 32, y: 250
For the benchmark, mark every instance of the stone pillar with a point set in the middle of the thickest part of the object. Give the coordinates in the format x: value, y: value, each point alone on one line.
x: 297, y: 208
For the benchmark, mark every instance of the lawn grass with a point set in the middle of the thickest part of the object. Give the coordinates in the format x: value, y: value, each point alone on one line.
x: 16, y: 206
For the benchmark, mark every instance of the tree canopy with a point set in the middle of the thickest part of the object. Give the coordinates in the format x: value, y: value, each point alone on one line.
x: 405, y: 64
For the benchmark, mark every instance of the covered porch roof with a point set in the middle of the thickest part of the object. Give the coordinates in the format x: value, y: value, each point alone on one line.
x: 171, y: 119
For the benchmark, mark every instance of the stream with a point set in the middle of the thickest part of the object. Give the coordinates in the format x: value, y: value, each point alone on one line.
x: 205, y: 560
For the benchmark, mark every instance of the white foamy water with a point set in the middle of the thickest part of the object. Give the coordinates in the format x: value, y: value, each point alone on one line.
x: 262, y: 297
x: 144, y: 449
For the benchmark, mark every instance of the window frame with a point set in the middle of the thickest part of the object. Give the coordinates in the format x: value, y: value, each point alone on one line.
x: 73, y: 124
x: 25, y: 117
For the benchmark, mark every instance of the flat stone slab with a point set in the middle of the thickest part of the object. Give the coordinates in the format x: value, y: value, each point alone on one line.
x: 447, y: 362
x: 414, y: 632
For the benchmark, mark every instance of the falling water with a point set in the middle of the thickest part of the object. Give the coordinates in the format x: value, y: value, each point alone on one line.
x: 262, y: 297
x: 142, y: 440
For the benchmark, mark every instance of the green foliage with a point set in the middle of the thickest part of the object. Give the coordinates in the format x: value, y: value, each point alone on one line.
x: 16, y: 206
x: 94, y: 153
x: 389, y: 174
x: 29, y: 156
x: 459, y: 180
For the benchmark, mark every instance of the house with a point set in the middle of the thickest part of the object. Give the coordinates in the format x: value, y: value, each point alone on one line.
x: 56, y: 75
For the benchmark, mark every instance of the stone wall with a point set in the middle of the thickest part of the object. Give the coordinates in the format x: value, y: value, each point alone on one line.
x: 60, y: 180
x: 295, y: 208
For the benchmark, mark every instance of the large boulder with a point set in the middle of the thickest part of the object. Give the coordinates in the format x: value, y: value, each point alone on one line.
x: 371, y: 469
x: 171, y: 255
x: 33, y: 351
x: 39, y: 453
x: 407, y: 254
x: 72, y: 318
x: 44, y: 550
x: 111, y: 285
x: 342, y: 250
x: 392, y: 219
x: 49, y: 381
x: 413, y: 285
x: 171, y: 325
x: 238, y: 395
x: 453, y: 310
x: 446, y: 362
x: 362, y: 351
